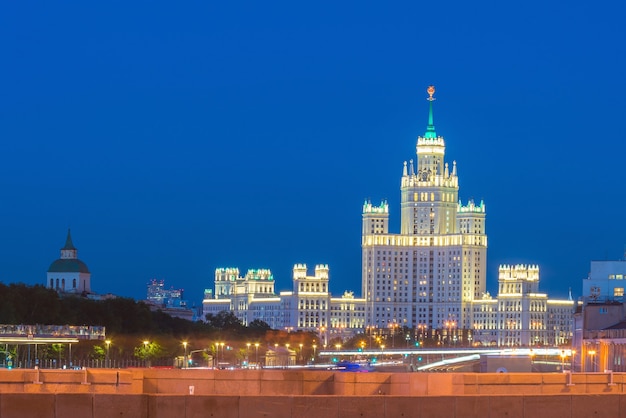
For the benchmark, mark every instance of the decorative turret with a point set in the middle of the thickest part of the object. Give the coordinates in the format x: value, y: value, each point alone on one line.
x: 69, y: 251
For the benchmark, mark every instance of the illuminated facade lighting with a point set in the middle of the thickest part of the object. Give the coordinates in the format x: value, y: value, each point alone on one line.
x: 435, y: 267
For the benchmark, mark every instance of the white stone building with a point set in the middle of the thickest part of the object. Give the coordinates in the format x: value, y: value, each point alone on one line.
x: 307, y: 307
x: 428, y: 274
x: 68, y: 274
x: 521, y: 315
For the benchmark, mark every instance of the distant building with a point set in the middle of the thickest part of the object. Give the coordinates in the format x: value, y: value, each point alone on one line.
x: 428, y: 274
x: 307, y: 307
x: 429, y: 278
x: 521, y: 315
x: 600, y: 320
x: 249, y: 297
x: 169, y: 301
x: 168, y: 298
x: 606, y: 281
x: 68, y: 274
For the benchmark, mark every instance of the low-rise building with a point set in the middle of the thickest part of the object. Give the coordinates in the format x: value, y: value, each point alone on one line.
x: 521, y: 315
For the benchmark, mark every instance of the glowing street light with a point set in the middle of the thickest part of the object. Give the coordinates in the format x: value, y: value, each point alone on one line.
x: 314, y: 349
x: 108, y: 360
x: 185, y: 357
x: 256, y: 359
x: 592, y: 353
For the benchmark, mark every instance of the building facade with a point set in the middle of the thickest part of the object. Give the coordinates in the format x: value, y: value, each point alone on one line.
x: 428, y: 274
x: 606, y: 281
x: 309, y: 305
x: 521, y: 315
x: 68, y: 274
x: 429, y: 278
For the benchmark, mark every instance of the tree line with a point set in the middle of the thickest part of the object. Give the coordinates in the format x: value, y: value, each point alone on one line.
x: 131, y: 324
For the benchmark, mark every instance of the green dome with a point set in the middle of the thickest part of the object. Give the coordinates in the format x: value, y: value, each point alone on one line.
x: 68, y: 265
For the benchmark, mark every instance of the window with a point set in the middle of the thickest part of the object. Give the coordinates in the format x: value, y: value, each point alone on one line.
x: 618, y: 292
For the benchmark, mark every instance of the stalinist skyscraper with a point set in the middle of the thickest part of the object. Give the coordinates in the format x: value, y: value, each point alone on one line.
x: 427, y: 275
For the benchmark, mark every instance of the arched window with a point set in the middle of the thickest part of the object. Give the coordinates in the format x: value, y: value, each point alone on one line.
x: 51, y: 283
x: 57, y: 283
x: 63, y: 284
x: 74, y: 284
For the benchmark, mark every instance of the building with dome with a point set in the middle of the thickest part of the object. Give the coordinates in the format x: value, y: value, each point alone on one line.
x: 68, y: 274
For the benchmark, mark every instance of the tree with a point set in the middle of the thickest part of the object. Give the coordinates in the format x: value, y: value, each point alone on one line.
x: 259, y: 325
x: 225, y: 321
x: 148, y: 351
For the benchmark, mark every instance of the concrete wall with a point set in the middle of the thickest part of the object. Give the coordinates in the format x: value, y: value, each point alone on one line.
x: 298, y: 383
x: 88, y: 405
x: 159, y: 393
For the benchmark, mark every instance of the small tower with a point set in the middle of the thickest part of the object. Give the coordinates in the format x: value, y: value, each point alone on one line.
x: 68, y: 274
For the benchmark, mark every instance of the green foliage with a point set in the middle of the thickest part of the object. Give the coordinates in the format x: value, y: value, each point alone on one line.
x: 149, y: 351
x: 98, y: 352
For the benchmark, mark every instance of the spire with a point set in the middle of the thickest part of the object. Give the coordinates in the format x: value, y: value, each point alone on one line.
x: 68, y: 242
x: 430, y: 129
x: 69, y: 251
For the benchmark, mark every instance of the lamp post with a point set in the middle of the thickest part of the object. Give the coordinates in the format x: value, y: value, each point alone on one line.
x: 107, y: 360
x: 256, y: 357
x: 145, y: 351
x: 592, y: 353
x: 393, y: 334
x: 382, y: 350
x: 562, y: 360
x: 314, y: 350
x: 185, y: 356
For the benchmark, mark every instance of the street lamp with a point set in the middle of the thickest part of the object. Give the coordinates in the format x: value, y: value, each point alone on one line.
x: 256, y: 358
x: 107, y: 360
x: 592, y: 353
x: 248, y: 353
x: 185, y: 357
x: 145, y: 352
x: 562, y: 360
x: 314, y: 348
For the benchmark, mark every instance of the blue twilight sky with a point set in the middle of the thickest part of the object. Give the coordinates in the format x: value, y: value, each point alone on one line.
x: 177, y: 138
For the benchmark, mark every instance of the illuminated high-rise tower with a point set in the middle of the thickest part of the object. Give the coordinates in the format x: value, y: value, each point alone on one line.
x: 426, y: 276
